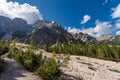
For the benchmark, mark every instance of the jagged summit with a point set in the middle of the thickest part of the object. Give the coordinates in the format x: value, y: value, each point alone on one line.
x: 83, y: 37
x: 48, y: 32
x: 105, y: 38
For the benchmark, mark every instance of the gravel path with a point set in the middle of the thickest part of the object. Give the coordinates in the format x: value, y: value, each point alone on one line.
x: 14, y: 71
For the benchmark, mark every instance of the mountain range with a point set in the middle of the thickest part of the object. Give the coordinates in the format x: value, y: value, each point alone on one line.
x: 52, y: 32
x: 43, y: 31
x: 10, y: 29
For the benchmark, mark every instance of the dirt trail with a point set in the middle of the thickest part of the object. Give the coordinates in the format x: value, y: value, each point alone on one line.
x: 15, y: 71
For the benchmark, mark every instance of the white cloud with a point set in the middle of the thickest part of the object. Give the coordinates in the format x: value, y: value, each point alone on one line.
x: 25, y: 11
x: 105, y: 2
x: 89, y: 31
x: 116, y: 12
x: 101, y: 28
x: 69, y: 28
x: 86, y: 18
x: 73, y: 30
x: 117, y: 25
x: 118, y: 33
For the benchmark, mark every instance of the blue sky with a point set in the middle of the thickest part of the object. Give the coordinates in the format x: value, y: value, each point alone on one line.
x: 70, y: 13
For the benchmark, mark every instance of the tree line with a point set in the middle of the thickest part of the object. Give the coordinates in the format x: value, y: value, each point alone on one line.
x: 101, y: 51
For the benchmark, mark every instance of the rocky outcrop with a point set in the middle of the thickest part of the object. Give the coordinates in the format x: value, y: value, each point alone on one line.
x: 83, y: 37
x: 105, y: 38
x: 49, y: 32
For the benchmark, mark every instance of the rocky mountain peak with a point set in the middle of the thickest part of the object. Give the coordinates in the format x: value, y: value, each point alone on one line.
x: 19, y: 21
x: 40, y: 23
x: 105, y: 38
x: 4, y: 21
x: 83, y: 37
x: 13, y: 28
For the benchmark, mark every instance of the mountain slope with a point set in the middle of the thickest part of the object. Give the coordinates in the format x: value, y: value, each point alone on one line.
x: 13, y: 28
x: 105, y: 38
x: 50, y: 33
x: 83, y: 37
x: 116, y: 40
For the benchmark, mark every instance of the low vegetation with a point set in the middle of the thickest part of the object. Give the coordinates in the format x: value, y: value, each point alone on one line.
x: 114, y: 70
x: 47, y: 68
x: 92, y: 68
x: 103, y: 51
x: 4, y: 48
x: 89, y: 64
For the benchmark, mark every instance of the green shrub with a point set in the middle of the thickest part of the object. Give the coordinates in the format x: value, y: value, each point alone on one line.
x: 114, y: 70
x: 4, y: 47
x: 49, y: 70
